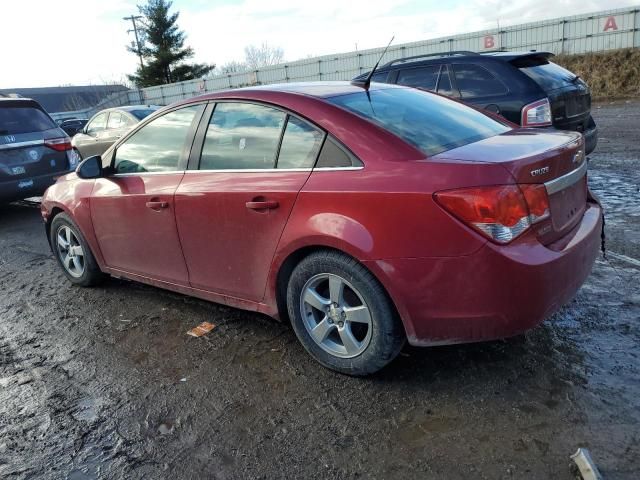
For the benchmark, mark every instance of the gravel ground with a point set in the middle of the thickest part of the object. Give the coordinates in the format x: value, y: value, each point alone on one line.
x: 104, y: 382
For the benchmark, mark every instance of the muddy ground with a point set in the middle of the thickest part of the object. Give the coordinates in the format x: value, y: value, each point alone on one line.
x: 105, y: 383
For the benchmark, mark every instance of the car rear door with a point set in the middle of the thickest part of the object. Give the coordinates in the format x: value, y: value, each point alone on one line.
x: 133, y: 209
x: 232, y: 207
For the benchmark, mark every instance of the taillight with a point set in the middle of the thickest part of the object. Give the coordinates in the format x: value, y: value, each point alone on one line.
x: 59, y: 144
x: 536, y: 114
x: 501, y: 213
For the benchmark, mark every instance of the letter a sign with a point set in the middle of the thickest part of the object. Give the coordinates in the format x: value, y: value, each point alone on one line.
x: 610, y: 24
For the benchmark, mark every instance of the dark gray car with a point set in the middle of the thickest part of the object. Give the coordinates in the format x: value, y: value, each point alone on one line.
x: 107, y: 126
x: 34, y: 151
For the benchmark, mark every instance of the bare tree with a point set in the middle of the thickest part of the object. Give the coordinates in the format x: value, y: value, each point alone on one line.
x: 262, y: 56
x: 233, y: 67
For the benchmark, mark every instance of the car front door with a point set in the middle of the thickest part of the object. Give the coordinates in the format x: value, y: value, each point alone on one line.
x: 232, y: 209
x: 133, y: 208
x: 87, y: 141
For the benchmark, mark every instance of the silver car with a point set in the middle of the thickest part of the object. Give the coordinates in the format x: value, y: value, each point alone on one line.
x: 107, y: 126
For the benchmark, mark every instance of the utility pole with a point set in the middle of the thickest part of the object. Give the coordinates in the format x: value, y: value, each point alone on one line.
x: 133, y: 19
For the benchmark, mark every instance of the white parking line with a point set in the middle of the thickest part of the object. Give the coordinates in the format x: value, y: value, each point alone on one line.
x: 624, y: 258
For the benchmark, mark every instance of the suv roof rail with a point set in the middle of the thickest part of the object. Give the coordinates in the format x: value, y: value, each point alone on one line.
x: 426, y: 55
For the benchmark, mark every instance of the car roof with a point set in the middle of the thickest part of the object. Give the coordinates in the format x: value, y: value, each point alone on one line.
x: 323, y: 89
x: 128, y: 108
x: 503, y: 56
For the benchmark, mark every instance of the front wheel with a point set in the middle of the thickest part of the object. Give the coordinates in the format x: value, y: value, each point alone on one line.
x: 72, y: 252
x: 342, y: 315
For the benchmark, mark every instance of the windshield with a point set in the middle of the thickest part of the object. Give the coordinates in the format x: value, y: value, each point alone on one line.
x: 23, y: 119
x: 140, y: 114
x: 431, y: 123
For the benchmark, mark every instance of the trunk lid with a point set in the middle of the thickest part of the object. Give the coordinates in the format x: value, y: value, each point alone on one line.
x: 553, y: 158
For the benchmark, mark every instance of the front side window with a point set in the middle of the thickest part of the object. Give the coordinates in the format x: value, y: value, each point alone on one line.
x: 158, y: 146
x: 98, y: 124
x: 300, y: 145
x: 431, y: 123
x: 422, y: 77
x: 242, y: 136
x: 476, y: 81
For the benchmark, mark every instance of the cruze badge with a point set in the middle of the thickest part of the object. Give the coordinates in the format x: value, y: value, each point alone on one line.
x: 539, y: 171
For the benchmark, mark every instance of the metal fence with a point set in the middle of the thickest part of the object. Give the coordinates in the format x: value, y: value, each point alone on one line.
x: 594, y: 32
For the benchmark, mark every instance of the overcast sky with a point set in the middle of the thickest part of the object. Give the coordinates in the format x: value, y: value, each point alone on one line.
x: 81, y: 42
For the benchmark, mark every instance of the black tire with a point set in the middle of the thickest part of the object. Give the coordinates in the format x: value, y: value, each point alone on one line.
x: 379, y: 346
x: 90, y: 274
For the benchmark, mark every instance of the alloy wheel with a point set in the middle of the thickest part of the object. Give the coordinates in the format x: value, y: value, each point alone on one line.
x: 335, y: 315
x: 70, y: 251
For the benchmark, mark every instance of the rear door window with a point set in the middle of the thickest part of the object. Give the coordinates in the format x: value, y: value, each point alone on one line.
x: 422, y: 77
x: 242, y: 136
x: 333, y: 155
x: 17, y: 119
x: 300, y: 145
x: 476, y: 81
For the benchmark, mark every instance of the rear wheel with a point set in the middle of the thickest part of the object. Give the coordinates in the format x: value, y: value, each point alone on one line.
x: 73, y: 253
x: 342, y: 315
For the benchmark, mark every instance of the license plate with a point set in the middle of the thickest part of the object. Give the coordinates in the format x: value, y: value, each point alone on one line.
x: 25, y: 184
x: 18, y: 170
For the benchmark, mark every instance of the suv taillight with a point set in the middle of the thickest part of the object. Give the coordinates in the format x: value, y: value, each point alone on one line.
x: 536, y: 114
x: 59, y: 144
x: 500, y: 213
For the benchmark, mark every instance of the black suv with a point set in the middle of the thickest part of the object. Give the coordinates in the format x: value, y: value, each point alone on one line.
x: 524, y: 87
x: 34, y: 151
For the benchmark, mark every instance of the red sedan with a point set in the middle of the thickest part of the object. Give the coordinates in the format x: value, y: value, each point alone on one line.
x: 367, y: 218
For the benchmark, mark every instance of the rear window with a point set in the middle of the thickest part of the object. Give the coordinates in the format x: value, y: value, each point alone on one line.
x: 142, y: 113
x: 546, y: 74
x: 23, y: 119
x: 431, y: 123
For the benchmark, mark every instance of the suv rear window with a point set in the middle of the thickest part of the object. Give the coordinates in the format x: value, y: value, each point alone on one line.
x: 16, y: 119
x: 547, y: 74
x: 431, y: 123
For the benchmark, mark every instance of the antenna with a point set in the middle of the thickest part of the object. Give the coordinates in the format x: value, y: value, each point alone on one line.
x: 366, y: 82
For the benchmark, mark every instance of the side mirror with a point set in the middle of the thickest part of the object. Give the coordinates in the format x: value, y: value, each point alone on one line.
x: 90, y: 168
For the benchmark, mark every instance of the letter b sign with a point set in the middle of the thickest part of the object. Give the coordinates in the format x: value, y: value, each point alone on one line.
x: 489, y: 41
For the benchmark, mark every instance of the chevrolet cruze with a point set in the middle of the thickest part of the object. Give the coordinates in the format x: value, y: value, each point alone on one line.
x: 366, y: 217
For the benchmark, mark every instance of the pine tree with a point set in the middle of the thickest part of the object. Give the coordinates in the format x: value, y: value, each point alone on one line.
x: 163, y: 48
